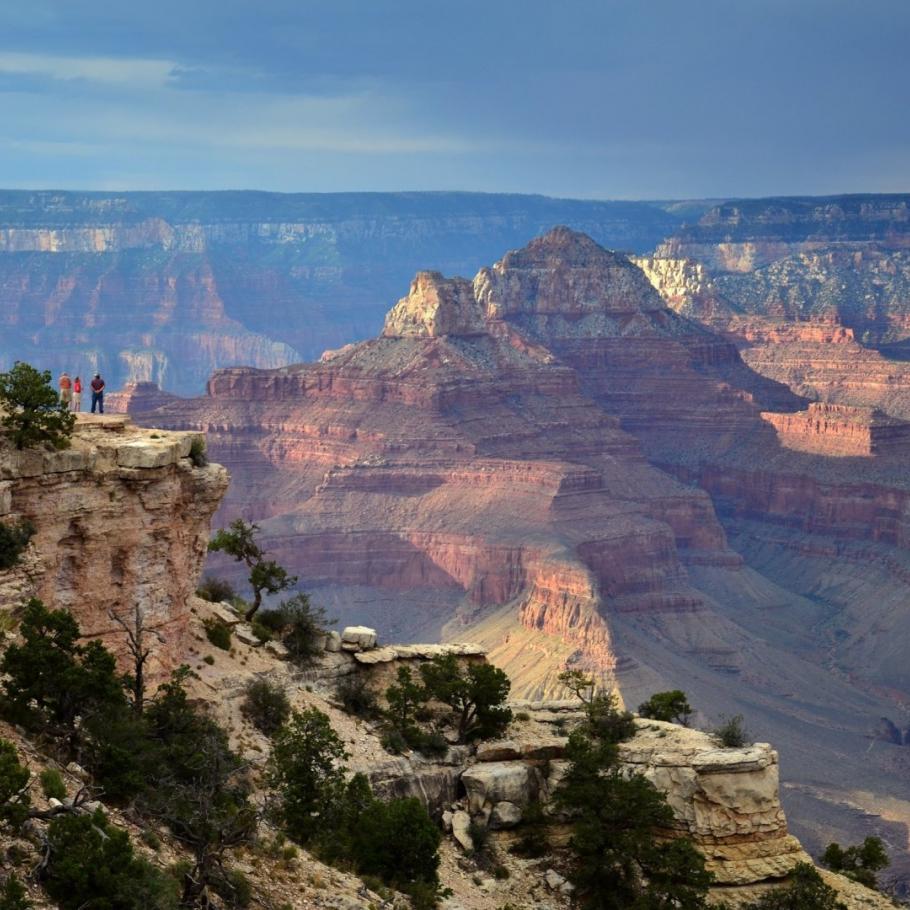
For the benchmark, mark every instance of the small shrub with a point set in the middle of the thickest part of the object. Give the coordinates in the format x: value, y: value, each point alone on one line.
x: 52, y: 784
x: 396, y: 841
x: 261, y: 631
x: 216, y: 590
x: 672, y: 707
x: 732, y: 733
x: 480, y: 837
x: 859, y: 862
x: 356, y: 696
x: 266, y: 706
x: 14, y: 538
x: 234, y: 889
x: 432, y: 745
x: 302, y: 628
x: 806, y: 891
x: 218, y: 633
x: 150, y: 839
x: 208, y: 659
x: 523, y: 716
x: 198, y: 455
x: 533, y: 842
x: 92, y: 864
x: 14, y: 778
x: 393, y: 741
x: 13, y: 895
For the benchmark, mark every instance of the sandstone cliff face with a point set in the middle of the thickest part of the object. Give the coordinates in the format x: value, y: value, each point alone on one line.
x: 122, y: 522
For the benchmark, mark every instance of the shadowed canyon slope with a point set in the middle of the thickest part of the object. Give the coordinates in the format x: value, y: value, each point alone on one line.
x: 550, y: 460
x: 167, y: 287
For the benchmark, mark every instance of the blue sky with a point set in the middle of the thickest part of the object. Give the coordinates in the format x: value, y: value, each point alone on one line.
x: 588, y: 98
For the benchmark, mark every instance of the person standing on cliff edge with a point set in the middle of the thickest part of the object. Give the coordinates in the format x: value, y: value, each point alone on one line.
x: 66, y: 387
x: 77, y: 395
x: 98, y: 393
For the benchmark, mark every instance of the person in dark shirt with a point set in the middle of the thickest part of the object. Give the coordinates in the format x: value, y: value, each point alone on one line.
x: 98, y: 393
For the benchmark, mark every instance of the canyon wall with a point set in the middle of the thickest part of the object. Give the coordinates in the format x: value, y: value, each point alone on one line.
x: 121, y: 524
x: 168, y: 287
x: 550, y: 461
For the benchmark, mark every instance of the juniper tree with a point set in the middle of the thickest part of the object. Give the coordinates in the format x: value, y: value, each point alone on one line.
x: 34, y: 415
x: 265, y: 575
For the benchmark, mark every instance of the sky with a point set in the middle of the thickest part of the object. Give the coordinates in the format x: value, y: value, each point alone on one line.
x: 608, y: 99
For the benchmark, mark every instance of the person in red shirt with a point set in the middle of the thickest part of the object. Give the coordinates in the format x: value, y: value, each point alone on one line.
x: 77, y: 394
x: 98, y: 393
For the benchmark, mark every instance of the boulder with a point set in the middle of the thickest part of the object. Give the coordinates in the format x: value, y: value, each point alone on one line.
x: 503, y: 750
x: 494, y: 782
x: 505, y: 815
x: 361, y: 637
x: 333, y: 642
x: 461, y: 824
x: 545, y: 749
x: 244, y: 633
x: 276, y: 649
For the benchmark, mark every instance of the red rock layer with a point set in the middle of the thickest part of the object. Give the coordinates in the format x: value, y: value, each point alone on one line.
x: 831, y: 429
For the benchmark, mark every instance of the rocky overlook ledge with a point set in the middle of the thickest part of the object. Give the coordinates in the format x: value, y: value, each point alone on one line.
x: 121, y: 520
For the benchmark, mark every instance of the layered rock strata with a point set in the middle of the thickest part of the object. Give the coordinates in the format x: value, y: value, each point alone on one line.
x: 517, y: 461
x: 121, y: 524
x: 832, y: 429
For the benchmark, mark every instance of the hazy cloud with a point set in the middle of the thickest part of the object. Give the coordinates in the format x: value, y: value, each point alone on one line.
x: 590, y: 98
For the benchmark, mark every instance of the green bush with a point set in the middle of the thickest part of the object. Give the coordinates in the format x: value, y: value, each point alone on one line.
x: 13, y: 895
x: 261, y: 631
x: 476, y: 695
x: 805, y: 891
x: 305, y: 770
x: 198, y: 455
x: 52, y: 679
x: 356, y: 696
x: 672, y: 707
x: 92, y: 864
x: 52, y: 784
x: 398, y: 842
x: 14, y: 538
x: 533, y: 841
x: 216, y: 590
x: 14, y: 798
x: 732, y: 733
x: 266, y: 706
x: 860, y: 862
x: 393, y: 741
x: 34, y: 414
x: 300, y: 626
x: 234, y: 888
x: 218, y: 633
x: 342, y: 822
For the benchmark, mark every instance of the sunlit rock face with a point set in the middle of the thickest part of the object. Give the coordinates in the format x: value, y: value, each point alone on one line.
x: 121, y: 522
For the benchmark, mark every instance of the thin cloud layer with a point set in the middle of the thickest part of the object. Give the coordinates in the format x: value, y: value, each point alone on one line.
x: 597, y: 98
